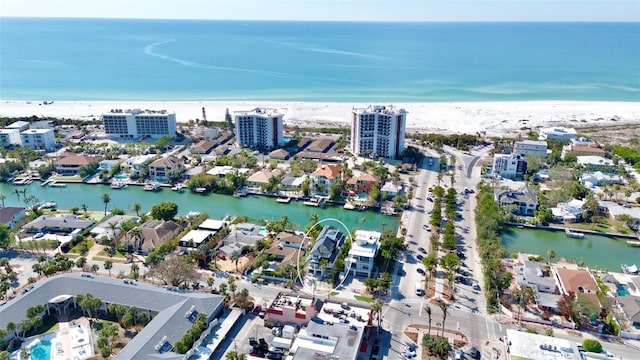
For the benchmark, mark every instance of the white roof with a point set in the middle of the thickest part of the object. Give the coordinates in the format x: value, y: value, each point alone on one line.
x: 594, y: 160
x: 212, y: 224
x: 197, y: 236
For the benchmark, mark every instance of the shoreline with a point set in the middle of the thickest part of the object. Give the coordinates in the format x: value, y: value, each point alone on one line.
x: 493, y: 117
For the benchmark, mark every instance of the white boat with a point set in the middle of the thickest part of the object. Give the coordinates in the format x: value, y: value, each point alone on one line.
x: 153, y: 186
x: 47, y: 205
x: 283, y: 200
x: 573, y: 233
x: 630, y: 269
x: 22, y: 181
x: 349, y: 206
x: 55, y: 184
x: 200, y: 190
x: 317, y: 202
x: 118, y: 184
x: 178, y: 187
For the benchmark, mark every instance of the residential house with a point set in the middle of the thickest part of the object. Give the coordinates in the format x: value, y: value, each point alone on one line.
x: 70, y: 164
x: 581, y: 150
x: 391, y: 189
x: 323, y: 177
x: 196, y: 170
x: 10, y: 215
x: 193, y: 239
x: 291, y: 240
x: 103, y: 229
x: 598, y: 178
x: 362, y: 255
x: 595, y: 163
x: 138, y: 164
x: 583, y: 141
x: 538, y: 276
x: 523, y: 201
x: 212, y: 225
x: 569, y: 211
x: 166, y: 167
x: 245, y: 234
x: 287, y: 249
x: 362, y: 183
x: 577, y: 281
x: 630, y: 306
x: 615, y: 210
x: 262, y: 177
x: 107, y: 165
x: 292, y: 183
x: 324, y: 252
x: 154, y: 233
x: 279, y: 154
x: 529, y: 148
x: 509, y: 166
x: 57, y: 223
x: 557, y: 133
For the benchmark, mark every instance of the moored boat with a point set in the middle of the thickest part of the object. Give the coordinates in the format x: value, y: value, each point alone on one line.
x: 573, y: 233
x: 200, y: 190
x: 633, y: 243
x: 118, y: 184
x: 152, y: 186
x: 178, y: 187
x: 284, y: 200
x: 630, y: 269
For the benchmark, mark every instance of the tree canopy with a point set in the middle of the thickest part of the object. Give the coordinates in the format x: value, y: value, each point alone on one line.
x: 164, y: 210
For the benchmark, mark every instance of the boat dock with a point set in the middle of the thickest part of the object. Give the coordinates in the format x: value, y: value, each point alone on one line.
x: 317, y: 202
x: 573, y: 233
x: 283, y: 200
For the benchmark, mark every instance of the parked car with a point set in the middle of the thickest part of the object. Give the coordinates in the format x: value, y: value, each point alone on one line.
x: 422, y: 250
x: 474, y: 352
x: 426, y: 227
x: 257, y: 309
x: 420, y: 271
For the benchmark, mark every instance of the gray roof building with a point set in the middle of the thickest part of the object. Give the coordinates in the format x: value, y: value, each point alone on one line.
x: 10, y: 215
x: 524, y: 200
x: 171, y: 310
x: 64, y: 223
x: 537, y: 276
x: 327, y: 246
x: 323, y: 340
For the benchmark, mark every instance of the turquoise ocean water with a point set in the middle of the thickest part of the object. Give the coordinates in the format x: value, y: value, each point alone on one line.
x: 116, y: 59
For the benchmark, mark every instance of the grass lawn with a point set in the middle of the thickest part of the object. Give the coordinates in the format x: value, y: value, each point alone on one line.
x: 75, y: 178
x: 364, y: 298
x: 77, y: 249
x: 334, y: 293
x: 609, y: 226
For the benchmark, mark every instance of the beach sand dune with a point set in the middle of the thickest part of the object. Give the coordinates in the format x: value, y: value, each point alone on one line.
x: 495, y: 118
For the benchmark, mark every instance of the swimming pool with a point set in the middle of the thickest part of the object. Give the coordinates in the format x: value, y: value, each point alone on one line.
x: 41, y: 350
x: 121, y: 176
x: 263, y: 231
x: 623, y: 290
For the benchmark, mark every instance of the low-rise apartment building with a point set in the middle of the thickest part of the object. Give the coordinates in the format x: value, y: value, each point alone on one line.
x: 362, y: 255
x: 39, y: 139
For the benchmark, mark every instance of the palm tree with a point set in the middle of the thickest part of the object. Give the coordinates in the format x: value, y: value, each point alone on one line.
x: 443, y: 307
x: 81, y: 262
x: 113, y: 227
x: 136, y: 233
x: 428, y: 310
x: 17, y: 192
x: 2, y: 197
x: 377, y: 309
x: 84, y: 208
x: 95, y: 268
x: 105, y: 199
x: 136, y: 207
x: 551, y: 255
x: 108, y: 265
x: 362, y: 221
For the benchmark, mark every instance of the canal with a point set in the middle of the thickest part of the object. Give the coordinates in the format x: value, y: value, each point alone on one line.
x: 217, y: 206
x: 602, y: 251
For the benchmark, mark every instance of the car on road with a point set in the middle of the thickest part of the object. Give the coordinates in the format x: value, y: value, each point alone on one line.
x: 420, y: 257
x: 422, y: 250
x: 426, y: 227
x: 408, y: 354
x: 38, y: 235
x: 420, y: 271
x: 476, y: 287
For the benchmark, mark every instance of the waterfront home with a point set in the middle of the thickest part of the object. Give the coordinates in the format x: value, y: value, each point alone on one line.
x: 522, y: 202
x: 57, y: 223
x: 557, y: 133
x: 528, y: 148
x: 69, y: 164
x: 290, y: 240
x: 569, y: 211
x: 153, y: 233
x: 103, y: 229
x: 630, y: 306
x: 362, y: 254
x: 107, y: 165
x: 324, y: 252
x: 227, y: 169
x: 509, y: 166
x: 576, y: 280
x: 598, y: 178
x: 581, y: 150
x: 212, y: 225
x: 262, y: 177
x: 10, y: 215
x: 165, y: 168
x: 538, y: 276
x: 293, y: 309
x: 196, y: 170
x: 362, y: 183
x: 595, y: 163
x: 137, y: 164
x: 245, y: 234
x: 391, y: 189
x: 284, y: 254
x: 323, y: 177
x: 291, y: 182
x: 194, y: 239
x: 615, y: 210
x: 279, y: 154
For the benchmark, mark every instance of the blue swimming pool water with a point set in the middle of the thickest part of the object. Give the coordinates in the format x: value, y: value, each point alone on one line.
x: 623, y: 290
x: 263, y: 231
x: 41, y: 351
x: 121, y: 176
x: 362, y: 196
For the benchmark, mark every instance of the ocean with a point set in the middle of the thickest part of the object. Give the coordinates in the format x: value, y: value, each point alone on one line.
x: 123, y: 59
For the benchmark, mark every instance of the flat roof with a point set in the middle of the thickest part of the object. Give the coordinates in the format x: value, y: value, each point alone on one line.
x: 523, y: 345
x: 197, y: 236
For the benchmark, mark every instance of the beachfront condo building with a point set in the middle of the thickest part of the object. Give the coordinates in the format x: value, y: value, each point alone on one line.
x: 10, y: 137
x: 39, y: 139
x: 557, y: 133
x: 378, y: 131
x: 260, y: 128
x: 537, y: 148
x: 136, y: 123
x: 509, y: 166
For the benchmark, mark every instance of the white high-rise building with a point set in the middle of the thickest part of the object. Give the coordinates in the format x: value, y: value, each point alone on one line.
x: 378, y: 131
x: 260, y: 128
x: 135, y: 123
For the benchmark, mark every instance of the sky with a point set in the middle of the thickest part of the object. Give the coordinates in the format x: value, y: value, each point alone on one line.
x: 336, y: 10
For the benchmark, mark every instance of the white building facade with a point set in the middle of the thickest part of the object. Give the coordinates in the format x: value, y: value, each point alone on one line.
x: 136, y: 123
x: 509, y: 166
x: 531, y: 148
x: 557, y: 133
x: 10, y: 137
x: 39, y: 139
x: 362, y: 255
x: 260, y: 128
x: 378, y: 131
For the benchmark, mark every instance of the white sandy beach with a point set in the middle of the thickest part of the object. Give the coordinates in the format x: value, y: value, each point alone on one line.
x: 496, y: 118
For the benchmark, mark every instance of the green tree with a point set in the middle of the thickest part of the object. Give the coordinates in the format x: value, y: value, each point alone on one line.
x: 592, y: 345
x: 551, y: 255
x: 108, y: 265
x: 105, y: 199
x: 164, y: 211
x: 136, y: 207
x: 443, y: 307
x: 5, y: 239
x: 427, y: 308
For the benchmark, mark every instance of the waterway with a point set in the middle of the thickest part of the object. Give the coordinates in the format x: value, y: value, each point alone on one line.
x: 215, y: 205
x: 602, y: 251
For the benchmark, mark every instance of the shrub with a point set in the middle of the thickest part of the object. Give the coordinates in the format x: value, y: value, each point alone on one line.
x: 592, y: 345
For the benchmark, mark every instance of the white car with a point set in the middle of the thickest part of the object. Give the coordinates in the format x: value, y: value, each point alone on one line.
x: 409, y: 355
